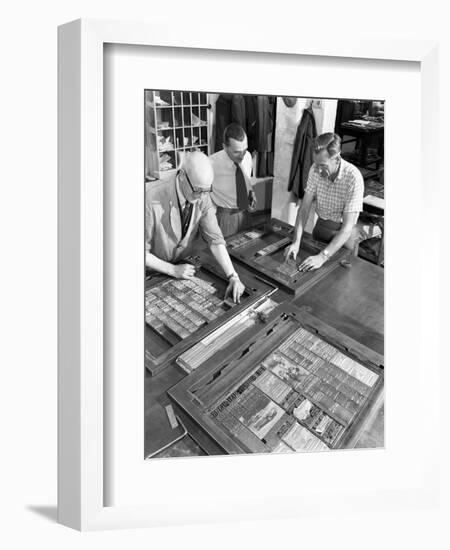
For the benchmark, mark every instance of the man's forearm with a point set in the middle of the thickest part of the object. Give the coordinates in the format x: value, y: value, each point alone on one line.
x: 222, y: 257
x: 300, y: 222
x: 154, y: 263
x: 338, y: 240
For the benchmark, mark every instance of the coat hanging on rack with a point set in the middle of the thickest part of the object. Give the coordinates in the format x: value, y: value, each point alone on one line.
x: 229, y: 108
x: 266, y: 134
x: 251, y: 125
x: 302, y: 155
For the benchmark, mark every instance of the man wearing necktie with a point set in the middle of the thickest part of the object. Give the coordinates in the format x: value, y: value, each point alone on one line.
x: 176, y: 211
x: 232, y: 191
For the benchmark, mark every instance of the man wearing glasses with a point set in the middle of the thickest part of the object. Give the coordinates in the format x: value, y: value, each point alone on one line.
x: 337, y: 186
x: 176, y: 210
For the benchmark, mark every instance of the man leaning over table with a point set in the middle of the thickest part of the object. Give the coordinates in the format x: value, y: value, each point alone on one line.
x: 337, y: 186
x: 176, y: 210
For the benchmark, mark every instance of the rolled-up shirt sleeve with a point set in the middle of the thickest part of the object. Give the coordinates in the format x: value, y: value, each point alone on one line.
x: 208, y: 224
x: 355, y: 194
x: 247, y: 167
x: 311, y: 184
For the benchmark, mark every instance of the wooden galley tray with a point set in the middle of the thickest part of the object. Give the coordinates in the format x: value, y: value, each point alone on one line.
x: 180, y: 312
x: 266, y: 392
x: 261, y: 249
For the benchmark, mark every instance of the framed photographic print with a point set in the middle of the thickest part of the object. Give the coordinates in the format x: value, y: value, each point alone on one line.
x: 242, y: 331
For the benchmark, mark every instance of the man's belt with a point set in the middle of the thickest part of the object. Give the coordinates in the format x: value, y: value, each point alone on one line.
x: 329, y: 224
x: 229, y: 210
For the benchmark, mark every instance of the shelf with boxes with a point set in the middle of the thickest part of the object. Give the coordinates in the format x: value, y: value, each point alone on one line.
x: 175, y: 123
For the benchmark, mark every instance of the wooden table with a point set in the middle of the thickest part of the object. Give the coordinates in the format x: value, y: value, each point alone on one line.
x: 365, y: 135
x: 350, y: 301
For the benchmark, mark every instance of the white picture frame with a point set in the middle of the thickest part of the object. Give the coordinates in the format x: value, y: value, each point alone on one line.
x: 81, y: 279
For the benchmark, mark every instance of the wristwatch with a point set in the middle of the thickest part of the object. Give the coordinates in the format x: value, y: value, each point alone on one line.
x: 325, y: 254
x: 232, y: 275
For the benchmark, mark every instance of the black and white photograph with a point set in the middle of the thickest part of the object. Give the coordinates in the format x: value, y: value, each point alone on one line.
x: 264, y: 273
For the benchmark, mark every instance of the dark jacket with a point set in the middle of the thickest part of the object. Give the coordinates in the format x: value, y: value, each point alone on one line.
x: 229, y: 108
x: 251, y: 125
x: 302, y: 155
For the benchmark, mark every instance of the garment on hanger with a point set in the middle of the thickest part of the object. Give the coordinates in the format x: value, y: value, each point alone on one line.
x: 264, y: 124
x: 251, y: 123
x: 302, y: 155
x: 344, y: 113
x: 238, y: 110
x: 229, y: 108
x: 256, y: 114
x: 266, y: 158
x: 265, y: 134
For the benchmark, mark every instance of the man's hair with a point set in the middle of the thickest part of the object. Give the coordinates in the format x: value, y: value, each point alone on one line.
x: 329, y: 141
x: 233, y: 131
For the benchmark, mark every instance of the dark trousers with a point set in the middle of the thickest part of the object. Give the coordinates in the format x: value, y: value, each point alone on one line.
x: 232, y: 220
x: 325, y: 230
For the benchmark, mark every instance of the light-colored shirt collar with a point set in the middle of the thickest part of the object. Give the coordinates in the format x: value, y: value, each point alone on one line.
x: 340, y: 173
x: 229, y: 160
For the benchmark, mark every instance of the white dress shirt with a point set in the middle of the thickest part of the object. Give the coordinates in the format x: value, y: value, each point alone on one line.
x: 224, y: 185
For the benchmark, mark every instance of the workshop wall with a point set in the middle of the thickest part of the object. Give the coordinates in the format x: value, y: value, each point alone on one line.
x: 284, y: 205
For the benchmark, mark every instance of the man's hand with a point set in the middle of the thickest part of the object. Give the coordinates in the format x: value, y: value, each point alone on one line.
x: 291, y: 251
x: 183, y: 271
x: 311, y: 263
x: 235, y: 289
x: 251, y: 200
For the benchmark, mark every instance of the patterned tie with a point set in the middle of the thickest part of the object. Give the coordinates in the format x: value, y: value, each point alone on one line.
x: 186, y: 217
x: 241, y: 189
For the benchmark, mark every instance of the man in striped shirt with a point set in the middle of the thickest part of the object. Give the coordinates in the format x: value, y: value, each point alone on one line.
x: 338, y: 188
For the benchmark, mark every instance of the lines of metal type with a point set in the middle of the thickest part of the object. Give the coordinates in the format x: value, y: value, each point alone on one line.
x: 273, y: 247
x: 245, y: 238
x: 318, y: 403
x: 206, y: 348
x: 182, y: 306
